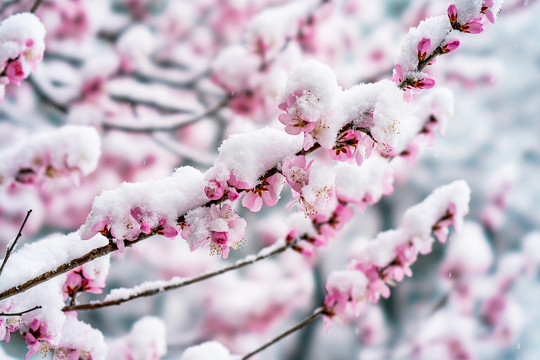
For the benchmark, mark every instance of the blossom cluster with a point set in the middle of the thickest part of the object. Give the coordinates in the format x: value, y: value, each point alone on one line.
x: 22, y: 43
x: 438, y: 35
x: 387, y: 259
x: 71, y: 151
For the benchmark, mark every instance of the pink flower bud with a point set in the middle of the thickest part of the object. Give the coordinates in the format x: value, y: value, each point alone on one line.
x: 425, y: 83
x: 451, y: 46
x: 214, y: 190
x: 423, y: 48
x: 15, y: 72
x: 452, y: 13
x: 220, y: 237
x: 474, y: 27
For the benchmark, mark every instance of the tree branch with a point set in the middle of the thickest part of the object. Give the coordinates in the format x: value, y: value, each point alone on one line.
x: 10, y: 249
x: 175, y: 284
x: 70, y: 265
x: 314, y: 316
x: 36, y: 6
x: 149, y: 129
x: 22, y: 312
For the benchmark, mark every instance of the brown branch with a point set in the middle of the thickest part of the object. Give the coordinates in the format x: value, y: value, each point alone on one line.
x: 314, y: 316
x: 70, y: 265
x: 422, y: 65
x: 36, y: 6
x: 22, y: 312
x: 172, y: 286
x: 10, y: 249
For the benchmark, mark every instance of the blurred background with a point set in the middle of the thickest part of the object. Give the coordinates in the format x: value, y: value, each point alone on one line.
x: 132, y: 67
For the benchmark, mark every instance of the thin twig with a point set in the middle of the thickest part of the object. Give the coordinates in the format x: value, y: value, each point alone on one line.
x: 176, y: 285
x: 22, y: 312
x: 10, y: 249
x: 315, y: 315
x: 36, y: 6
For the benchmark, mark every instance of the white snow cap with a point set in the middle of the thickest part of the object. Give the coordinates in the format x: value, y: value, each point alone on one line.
x: 377, y: 106
x: 434, y: 28
x: 16, y: 30
x: 235, y: 66
x: 163, y: 199
x: 319, y: 85
x: 70, y: 148
x: 469, y: 253
x: 250, y: 155
x: 420, y: 218
x: 211, y: 350
x: 272, y: 27
x: 79, y: 335
x: 375, y: 177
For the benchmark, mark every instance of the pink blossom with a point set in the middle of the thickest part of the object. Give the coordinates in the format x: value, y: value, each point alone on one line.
x: 227, y: 229
x: 423, y: 48
x: 451, y: 46
x: 304, y: 248
x: 486, y: 9
x: 473, y: 27
x: 78, y: 280
x: 35, y: 335
x: 214, y: 190
x: 345, y: 289
x: 297, y: 172
x: 294, y: 121
x: 425, y: 83
x: 15, y: 72
x: 452, y: 14
x: 145, y: 226
x: 267, y: 191
x: 7, y: 325
x: 397, y: 77
x: 167, y: 231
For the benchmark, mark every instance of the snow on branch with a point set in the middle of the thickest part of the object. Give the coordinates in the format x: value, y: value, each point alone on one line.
x: 70, y: 151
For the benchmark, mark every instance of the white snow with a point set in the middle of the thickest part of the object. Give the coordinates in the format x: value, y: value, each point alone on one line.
x: 250, y: 155
x: 211, y: 350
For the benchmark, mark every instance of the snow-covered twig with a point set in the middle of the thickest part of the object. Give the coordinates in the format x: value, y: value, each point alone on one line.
x: 154, y: 288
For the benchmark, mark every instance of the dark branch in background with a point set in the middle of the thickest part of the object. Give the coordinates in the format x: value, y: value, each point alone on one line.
x: 46, y: 98
x: 22, y: 312
x: 306, y: 337
x: 36, y: 6
x: 154, y: 291
x: 314, y: 316
x: 147, y: 129
x: 10, y: 249
x: 166, y: 109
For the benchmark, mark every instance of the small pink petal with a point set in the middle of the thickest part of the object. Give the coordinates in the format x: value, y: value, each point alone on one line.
x: 100, y: 226
x: 490, y: 16
x: 474, y: 27
x: 169, y: 232
x: 451, y: 46
x: 252, y: 201
x: 426, y: 83
x: 121, y: 246
x: 146, y: 227
x: 423, y: 48
x: 452, y: 13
